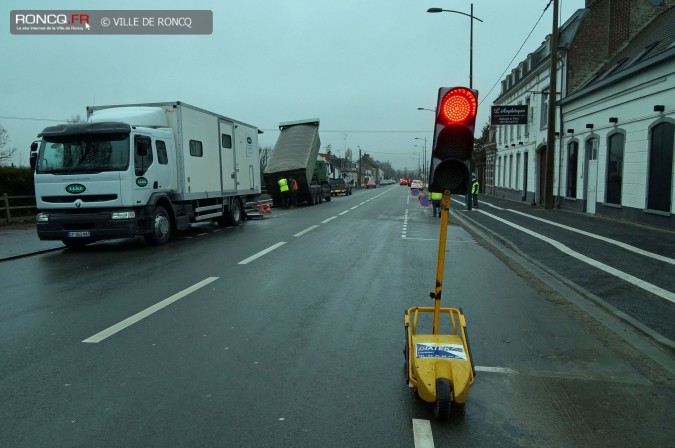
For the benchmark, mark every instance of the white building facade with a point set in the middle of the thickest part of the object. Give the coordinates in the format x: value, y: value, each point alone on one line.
x: 615, y: 119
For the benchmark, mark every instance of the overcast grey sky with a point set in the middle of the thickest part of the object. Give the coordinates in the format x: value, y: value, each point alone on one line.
x: 362, y: 66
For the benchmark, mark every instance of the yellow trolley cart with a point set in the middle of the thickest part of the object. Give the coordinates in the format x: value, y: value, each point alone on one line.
x: 439, y: 366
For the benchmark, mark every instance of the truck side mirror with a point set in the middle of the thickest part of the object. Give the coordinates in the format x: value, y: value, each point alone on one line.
x: 33, y: 155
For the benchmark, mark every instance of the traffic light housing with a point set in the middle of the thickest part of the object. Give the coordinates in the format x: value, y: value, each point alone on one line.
x: 453, y: 139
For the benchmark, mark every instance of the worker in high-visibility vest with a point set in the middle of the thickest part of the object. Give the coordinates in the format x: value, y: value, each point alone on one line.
x: 285, y: 193
x: 475, y: 186
x: 436, y: 202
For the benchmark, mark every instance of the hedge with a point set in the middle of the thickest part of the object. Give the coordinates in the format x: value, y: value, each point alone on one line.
x: 16, y: 181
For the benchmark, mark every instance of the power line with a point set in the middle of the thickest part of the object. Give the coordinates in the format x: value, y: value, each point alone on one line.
x: 517, y: 52
x: 31, y: 119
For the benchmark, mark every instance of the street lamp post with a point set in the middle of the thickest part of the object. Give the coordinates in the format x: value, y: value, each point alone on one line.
x: 425, y: 162
x: 419, y: 165
x: 425, y: 157
x: 472, y: 17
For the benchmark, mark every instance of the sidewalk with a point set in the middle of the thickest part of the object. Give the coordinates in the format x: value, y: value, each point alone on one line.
x: 19, y: 240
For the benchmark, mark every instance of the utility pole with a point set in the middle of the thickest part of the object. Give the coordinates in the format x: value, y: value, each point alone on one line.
x: 552, y: 97
x: 360, y: 181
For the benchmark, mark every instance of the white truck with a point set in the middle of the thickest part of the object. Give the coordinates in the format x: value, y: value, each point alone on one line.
x: 143, y: 169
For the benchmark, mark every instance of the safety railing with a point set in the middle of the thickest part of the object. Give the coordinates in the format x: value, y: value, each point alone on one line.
x: 16, y: 208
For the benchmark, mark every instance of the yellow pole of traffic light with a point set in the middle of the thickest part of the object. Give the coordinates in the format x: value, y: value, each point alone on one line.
x: 445, y: 209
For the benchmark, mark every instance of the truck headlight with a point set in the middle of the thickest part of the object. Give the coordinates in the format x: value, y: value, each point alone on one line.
x: 42, y: 217
x: 124, y: 215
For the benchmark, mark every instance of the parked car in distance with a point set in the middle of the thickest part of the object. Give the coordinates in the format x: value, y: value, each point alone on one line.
x: 371, y: 184
x: 340, y: 186
x: 416, y: 185
x: 387, y: 181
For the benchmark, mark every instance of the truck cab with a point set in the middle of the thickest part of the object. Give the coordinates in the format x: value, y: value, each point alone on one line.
x: 96, y: 180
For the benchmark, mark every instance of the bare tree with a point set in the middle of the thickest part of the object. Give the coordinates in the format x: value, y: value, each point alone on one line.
x: 77, y: 118
x: 6, y: 154
x: 478, y: 157
x: 265, y: 152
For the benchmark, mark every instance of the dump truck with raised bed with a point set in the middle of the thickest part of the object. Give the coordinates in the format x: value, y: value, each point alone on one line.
x: 296, y: 155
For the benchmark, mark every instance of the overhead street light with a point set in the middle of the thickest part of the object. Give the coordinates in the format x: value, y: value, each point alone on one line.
x: 419, y: 165
x: 424, y: 174
x: 472, y: 17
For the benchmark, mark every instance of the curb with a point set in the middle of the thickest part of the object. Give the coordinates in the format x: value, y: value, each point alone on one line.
x: 30, y: 254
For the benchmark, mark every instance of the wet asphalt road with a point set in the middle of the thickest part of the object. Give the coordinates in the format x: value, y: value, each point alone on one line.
x: 302, y: 345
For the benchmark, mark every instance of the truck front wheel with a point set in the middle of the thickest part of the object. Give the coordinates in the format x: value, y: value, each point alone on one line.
x: 161, y: 227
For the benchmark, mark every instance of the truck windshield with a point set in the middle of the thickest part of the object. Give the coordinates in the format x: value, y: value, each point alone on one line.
x: 83, y: 154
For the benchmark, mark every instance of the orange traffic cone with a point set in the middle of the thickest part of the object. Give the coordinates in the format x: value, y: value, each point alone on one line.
x: 261, y: 210
x: 269, y: 210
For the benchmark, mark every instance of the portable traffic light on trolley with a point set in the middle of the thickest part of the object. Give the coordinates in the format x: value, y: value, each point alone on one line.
x: 453, y: 139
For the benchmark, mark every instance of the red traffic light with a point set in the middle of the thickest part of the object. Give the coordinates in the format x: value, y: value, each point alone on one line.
x: 458, y: 105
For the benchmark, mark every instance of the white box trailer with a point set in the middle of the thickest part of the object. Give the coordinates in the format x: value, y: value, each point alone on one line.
x: 143, y: 169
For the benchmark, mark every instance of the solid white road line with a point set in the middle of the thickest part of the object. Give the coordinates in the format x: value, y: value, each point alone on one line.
x: 309, y: 229
x: 601, y: 238
x: 340, y: 214
x: 329, y: 219
x: 422, y: 433
x: 262, y: 252
x: 98, y: 337
x: 495, y: 369
x: 356, y: 206
x: 665, y: 294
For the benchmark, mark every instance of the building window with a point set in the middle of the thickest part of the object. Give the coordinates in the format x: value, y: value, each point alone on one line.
x: 511, y: 171
x: 660, y: 180
x: 498, y: 170
x: 592, y: 149
x: 196, y: 148
x: 527, y: 123
x: 543, y: 120
x: 518, y: 126
x: 504, y: 172
x: 615, y: 147
x: 517, y: 171
x: 572, y: 157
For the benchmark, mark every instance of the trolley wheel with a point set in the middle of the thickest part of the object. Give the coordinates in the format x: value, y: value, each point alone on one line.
x: 442, y: 405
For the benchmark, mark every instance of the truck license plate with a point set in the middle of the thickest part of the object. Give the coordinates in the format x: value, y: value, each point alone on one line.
x: 79, y: 234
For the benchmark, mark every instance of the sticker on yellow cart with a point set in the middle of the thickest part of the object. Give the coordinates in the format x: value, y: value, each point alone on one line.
x: 447, y: 351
